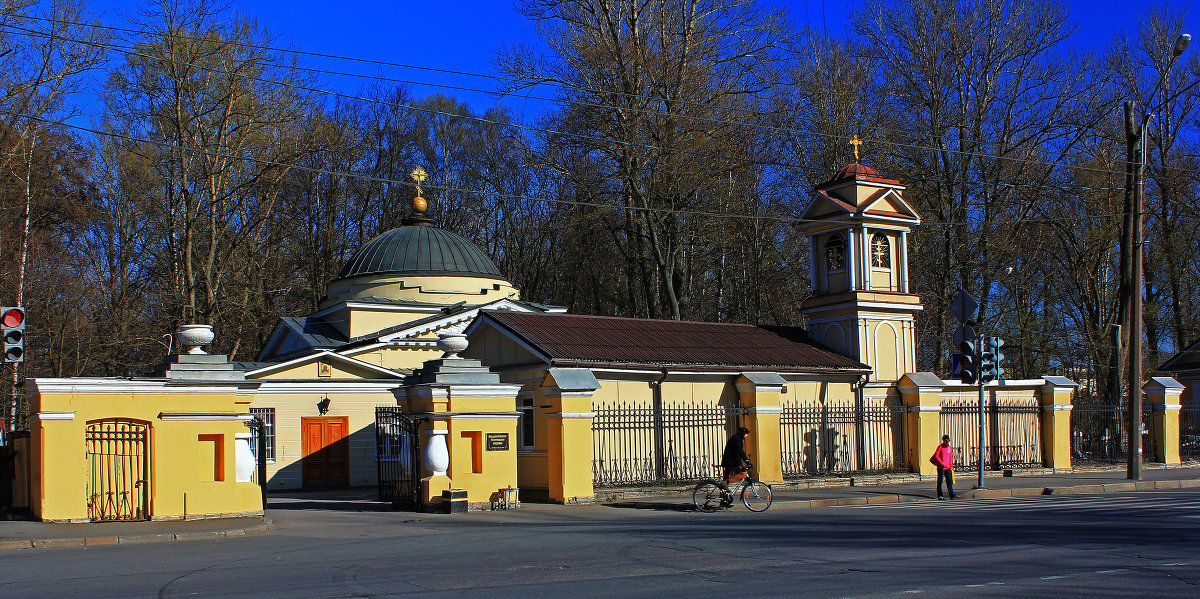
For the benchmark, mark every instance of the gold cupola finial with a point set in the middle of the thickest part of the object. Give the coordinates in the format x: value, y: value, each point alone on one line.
x: 419, y: 203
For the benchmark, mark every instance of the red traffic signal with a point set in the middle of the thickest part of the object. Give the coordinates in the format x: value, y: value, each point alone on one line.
x: 12, y: 317
x: 12, y: 333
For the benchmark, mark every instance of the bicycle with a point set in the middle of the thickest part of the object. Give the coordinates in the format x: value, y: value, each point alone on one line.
x: 755, y: 494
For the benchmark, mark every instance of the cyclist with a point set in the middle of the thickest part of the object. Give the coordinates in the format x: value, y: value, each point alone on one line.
x: 734, y: 463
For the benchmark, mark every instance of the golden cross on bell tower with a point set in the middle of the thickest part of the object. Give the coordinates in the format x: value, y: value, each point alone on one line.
x: 855, y: 141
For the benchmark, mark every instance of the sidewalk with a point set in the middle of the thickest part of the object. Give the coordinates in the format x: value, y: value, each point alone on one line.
x: 880, y: 489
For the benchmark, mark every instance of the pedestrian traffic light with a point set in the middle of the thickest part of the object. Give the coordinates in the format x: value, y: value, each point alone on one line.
x: 968, y: 365
x: 12, y: 327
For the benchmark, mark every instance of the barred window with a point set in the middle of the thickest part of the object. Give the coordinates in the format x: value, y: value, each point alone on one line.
x: 267, y: 415
x: 835, y: 253
x: 881, y: 251
x: 525, y: 429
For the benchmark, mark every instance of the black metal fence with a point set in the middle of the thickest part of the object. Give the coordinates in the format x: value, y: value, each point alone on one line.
x: 1098, y: 433
x: 639, y: 444
x: 1012, y: 433
x: 817, y: 439
x: 1189, y: 432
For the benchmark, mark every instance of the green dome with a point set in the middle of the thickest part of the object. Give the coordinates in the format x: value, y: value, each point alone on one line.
x: 420, y: 250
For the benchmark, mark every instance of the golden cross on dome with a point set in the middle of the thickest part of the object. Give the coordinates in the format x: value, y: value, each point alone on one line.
x: 855, y: 141
x: 418, y: 175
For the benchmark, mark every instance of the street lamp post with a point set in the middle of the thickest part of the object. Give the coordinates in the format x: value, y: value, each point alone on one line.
x: 1135, y: 137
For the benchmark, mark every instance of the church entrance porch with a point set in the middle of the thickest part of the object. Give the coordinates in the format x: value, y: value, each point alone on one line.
x: 326, y: 451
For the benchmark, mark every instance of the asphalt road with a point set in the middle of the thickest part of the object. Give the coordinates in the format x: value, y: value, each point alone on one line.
x: 1115, y: 545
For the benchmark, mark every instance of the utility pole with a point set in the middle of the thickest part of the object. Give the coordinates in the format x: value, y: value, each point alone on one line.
x: 1135, y: 169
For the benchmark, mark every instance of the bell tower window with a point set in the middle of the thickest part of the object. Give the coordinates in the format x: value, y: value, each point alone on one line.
x: 881, y: 254
x: 835, y: 253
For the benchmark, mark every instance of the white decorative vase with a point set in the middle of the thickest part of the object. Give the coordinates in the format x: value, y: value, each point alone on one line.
x: 437, y: 455
x: 193, y: 337
x: 451, y: 343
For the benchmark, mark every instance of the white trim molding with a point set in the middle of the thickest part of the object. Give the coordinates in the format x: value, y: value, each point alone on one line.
x: 764, y: 410
x: 1057, y: 407
x: 55, y: 416
x: 1165, y: 407
x: 924, y: 408
x: 572, y: 415
x: 203, y: 417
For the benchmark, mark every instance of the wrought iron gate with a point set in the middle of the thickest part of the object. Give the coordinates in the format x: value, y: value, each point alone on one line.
x: 398, y: 456
x: 118, y: 482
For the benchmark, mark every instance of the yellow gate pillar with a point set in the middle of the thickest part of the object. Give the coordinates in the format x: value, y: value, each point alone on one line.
x: 921, y: 393
x: 1055, y: 400
x: 760, y: 393
x: 470, y: 438
x: 1162, y: 395
x: 568, y: 395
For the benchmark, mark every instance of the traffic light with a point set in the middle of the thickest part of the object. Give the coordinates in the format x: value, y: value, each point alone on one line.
x: 989, y: 369
x: 993, y: 359
x: 968, y: 365
x: 12, y: 326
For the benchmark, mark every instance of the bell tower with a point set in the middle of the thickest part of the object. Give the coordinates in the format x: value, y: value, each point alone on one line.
x: 857, y: 227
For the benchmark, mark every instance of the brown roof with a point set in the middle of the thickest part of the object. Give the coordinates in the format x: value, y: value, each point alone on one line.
x: 572, y: 339
x: 1187, y: 359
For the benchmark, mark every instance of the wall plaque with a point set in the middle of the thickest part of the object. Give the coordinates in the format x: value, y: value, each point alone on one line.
x: 497, y: 441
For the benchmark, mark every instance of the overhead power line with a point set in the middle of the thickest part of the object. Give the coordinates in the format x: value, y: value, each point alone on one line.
x: 713, y: 120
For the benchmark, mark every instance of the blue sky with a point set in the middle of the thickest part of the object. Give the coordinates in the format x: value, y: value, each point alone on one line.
x: 464, y: 35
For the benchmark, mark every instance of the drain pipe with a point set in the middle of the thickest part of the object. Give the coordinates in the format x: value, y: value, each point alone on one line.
x: 859, y: 424
x: 659, y: 450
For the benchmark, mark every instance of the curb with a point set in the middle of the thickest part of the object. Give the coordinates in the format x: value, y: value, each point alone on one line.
x: 266, y: 525
x: 986, y: 493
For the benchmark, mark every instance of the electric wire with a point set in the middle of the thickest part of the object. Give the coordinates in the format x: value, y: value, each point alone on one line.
x: 760, y: 126
x: 129, y: 51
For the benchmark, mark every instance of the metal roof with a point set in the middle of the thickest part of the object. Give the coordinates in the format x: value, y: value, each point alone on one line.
x: 572, y: 339
x: 420, y: 249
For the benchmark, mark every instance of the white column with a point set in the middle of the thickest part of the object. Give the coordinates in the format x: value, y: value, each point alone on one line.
x: 866, y: 259
x: 852, y: 271
x: 812, y: 263
x: 902, y: 257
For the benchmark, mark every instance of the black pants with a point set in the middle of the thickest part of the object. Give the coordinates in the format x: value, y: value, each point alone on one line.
x: 946, y: 474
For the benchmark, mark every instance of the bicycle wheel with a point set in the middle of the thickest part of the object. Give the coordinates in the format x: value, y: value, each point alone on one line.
x: 707, y: 496
x: 757, y: 496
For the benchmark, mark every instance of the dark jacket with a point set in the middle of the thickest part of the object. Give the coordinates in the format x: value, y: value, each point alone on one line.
x: 735, y: 454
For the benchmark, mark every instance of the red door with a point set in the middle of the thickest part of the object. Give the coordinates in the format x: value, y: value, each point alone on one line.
x: 326, y: 451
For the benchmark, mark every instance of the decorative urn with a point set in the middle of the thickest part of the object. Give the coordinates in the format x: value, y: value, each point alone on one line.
x: 193, y: 337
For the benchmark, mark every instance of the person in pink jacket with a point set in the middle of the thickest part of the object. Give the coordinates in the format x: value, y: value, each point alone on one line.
x: 943, y: 458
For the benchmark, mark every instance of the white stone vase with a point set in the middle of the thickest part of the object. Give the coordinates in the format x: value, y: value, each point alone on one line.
x: 437, y: 455
x: 193, y: 337
x: 451, y: 343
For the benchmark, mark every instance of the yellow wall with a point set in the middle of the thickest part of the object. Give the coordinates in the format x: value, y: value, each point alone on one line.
x: 181, y: 486
x: 437, y: 289
x: 358, y: 406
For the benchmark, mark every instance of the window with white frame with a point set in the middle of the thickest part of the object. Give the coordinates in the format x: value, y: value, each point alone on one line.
x: 881, y: 251
x: 267, y: 415
x: 525, y: 428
